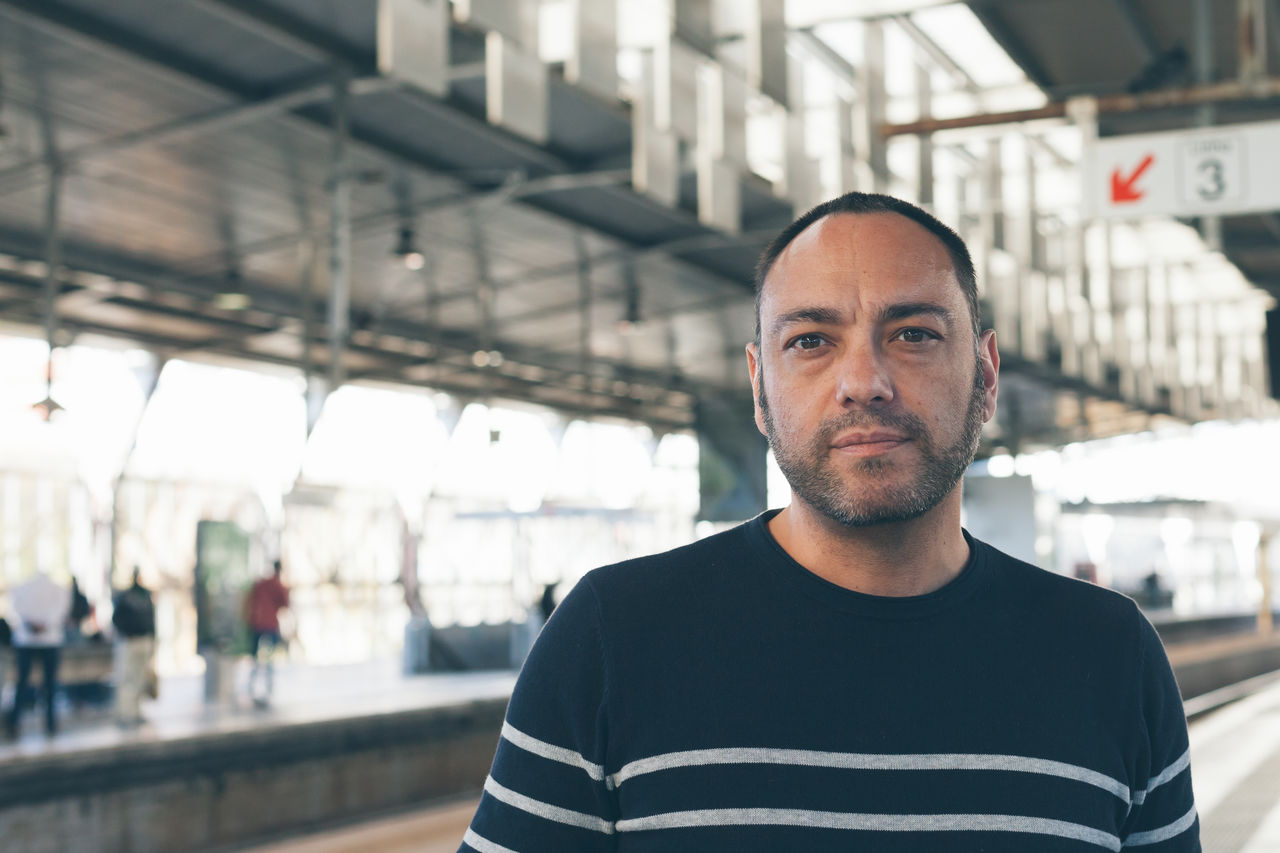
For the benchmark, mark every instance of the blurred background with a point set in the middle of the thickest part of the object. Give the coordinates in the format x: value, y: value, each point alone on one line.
x: 442, y: 304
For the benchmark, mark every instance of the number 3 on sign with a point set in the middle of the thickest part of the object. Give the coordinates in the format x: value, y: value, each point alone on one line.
x: 1212, y: 185
x: 1211, y: 170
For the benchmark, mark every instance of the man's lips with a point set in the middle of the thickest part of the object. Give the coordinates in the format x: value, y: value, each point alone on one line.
x: 868, y: 443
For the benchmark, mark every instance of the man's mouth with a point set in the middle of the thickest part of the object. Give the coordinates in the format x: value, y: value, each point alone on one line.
x: 868, y: 442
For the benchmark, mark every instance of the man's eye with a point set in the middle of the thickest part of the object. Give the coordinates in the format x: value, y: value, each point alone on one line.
x: 915, y: 336
x: 807, y: 342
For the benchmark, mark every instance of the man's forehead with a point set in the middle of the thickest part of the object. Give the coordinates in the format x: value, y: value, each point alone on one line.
x: 893, y: 247
x: 845, y: 236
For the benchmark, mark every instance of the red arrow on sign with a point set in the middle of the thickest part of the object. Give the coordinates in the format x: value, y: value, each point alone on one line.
x: 1122, y: 188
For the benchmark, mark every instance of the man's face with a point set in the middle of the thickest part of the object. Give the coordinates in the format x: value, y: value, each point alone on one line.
x: 868, y: 381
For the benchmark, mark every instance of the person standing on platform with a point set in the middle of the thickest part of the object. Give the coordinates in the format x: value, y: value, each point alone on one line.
x: 547, y: 602
x: 80, y: 610
x: 134, y: 618
x: 40, y: 609
x: 853, y: 671
x: 266, y: 599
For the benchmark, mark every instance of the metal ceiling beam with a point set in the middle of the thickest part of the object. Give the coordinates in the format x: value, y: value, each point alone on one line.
x: 391, y: 216
x: 984, y: 11
x: 135, y: 289
x: 1215, y: 93
x: 95, y: 34
x: 85, y: 30
x: 937, y: 54
x: 1272, y: 223
x: 244, y: 326
x: 671, y: 416
x: 288, y: 97
x: 99, y: 35
x: 289, y: 31
x: 1139, y: 28
x: 944, y: 61
x: 830, y: 57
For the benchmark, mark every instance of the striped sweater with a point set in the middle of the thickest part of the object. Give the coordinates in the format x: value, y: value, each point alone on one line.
x: 720, y: 697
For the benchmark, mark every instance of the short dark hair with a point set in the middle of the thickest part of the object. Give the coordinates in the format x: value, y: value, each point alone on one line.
x: 858, y: 202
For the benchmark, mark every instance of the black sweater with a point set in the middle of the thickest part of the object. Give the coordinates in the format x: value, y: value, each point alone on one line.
x: 721, y: 697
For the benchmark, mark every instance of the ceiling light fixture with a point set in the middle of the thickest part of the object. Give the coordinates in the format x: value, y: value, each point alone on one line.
x: 631, y: 311
x: 407, y: 250
x: 232, y: 297
x: 48, y: 407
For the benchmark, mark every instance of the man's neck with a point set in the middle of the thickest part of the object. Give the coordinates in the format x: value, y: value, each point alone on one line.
x: 901, y: 559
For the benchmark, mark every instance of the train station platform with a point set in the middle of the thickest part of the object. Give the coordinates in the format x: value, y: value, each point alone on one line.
x: 345, y: 758
x: 1235, y: 763
x: 337, y: 744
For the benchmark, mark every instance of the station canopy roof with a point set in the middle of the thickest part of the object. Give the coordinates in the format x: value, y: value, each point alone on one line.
x: 193, y: 143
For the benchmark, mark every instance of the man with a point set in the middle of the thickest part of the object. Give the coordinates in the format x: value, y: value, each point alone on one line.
x: 266, y: 599
x: 40, y: 608
x: 853, y: 672
x: 134, y: 618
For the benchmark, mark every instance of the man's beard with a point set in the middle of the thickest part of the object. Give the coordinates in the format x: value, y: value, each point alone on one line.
x: 815, y: 480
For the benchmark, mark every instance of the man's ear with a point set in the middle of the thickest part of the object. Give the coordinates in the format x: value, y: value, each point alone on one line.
x: 753, y: 367
x: 989, y: 361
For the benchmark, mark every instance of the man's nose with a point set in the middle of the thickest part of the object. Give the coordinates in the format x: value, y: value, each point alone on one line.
x: 863, y: 377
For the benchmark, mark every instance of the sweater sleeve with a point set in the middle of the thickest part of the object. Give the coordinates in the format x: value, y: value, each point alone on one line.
x: 1163, y: 815
x: 547, y: 789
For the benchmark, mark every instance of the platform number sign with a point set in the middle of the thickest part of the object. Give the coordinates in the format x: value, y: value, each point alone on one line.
x: 1211, y: 170
x: 1224, y: 170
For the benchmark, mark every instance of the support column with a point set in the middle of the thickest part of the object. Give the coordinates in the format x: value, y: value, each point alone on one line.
x: 924, y: 152
x: 1206, y: 115
x: 593, y: 62
x: 1265, y: 617
x: 732, y: 470
x: 584, y: 305
x: 872, y: 147
x: 148, y: 378
x: 52, y: 286
x: 313, y: 384
x: 1251, y: 16
x: 339, y: 240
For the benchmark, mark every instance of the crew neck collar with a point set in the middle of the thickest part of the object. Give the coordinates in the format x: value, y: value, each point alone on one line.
x: 784, y: 567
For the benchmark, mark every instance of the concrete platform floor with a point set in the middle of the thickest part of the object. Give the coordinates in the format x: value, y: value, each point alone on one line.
x: 302, y: 694
x: 1235, y: 766
x: 434, y: 830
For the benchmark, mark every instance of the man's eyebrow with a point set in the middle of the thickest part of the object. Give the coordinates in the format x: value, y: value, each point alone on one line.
x: 828, y: 316
x: 905, y: 310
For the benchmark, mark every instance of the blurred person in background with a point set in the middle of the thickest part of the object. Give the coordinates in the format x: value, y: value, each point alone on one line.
x: 266, y: 599
x: 40, y: 610
x: 134, y: 619
x: 80, y: 610
x: 547, y: 603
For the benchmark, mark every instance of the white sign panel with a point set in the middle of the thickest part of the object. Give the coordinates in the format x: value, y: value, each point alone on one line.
x: 1214, y: 170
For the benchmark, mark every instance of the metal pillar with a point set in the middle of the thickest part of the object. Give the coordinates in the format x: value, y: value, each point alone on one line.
x: 53, y: 260
x: 1265, y: 618
x: 486, y: 295
x: 149, y: 379
x: 872, y: 147
x: 1033, y: 289
x: 1206, y: 114
x: 732, y: 470
x: 313, y: 386
x: 768, y: 66
x: 339, y: 240
x: 593, y: 62
x: 584, y: 304
x: 924, y: 153
x: 1252, y: 32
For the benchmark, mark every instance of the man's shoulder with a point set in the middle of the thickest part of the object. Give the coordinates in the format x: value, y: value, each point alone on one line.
x: 705, y: 561
x: 1045, y: 590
